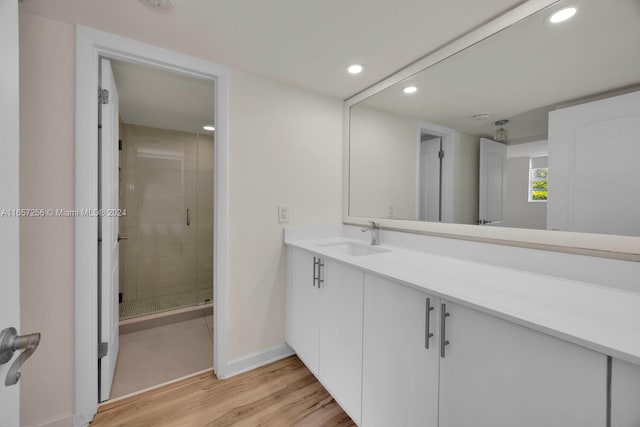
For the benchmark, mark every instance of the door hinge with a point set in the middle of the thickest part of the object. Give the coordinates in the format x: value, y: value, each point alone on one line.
x: 103, y: 349
x: 103, y: 96
x: 441, y: 154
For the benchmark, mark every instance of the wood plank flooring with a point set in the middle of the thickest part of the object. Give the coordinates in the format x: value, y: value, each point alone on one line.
x: 284, y: 393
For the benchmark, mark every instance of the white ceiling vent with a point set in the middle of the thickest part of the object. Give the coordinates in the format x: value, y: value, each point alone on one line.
x: 159, y: 5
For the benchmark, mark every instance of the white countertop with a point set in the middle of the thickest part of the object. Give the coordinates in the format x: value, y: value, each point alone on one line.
x: 603, y: 319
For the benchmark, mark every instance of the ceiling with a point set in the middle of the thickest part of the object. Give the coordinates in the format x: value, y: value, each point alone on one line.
x: 307, y: 44
x: 527, y: 70
x: 150, y: 97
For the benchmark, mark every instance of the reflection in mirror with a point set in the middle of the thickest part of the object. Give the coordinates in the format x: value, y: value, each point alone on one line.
x: 537, y: 126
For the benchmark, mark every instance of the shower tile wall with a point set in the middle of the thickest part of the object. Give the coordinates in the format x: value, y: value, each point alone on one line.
x: 166, y: 262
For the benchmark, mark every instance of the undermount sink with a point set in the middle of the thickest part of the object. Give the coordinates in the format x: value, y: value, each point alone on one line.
x: 355, y: 249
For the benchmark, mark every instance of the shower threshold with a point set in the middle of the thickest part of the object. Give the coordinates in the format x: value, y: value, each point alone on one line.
x: 158, y: 304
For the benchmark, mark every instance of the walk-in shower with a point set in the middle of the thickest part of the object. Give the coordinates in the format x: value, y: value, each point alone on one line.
x: 166, y: 186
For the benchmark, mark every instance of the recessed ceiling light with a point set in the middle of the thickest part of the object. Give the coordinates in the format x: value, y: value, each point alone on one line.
x: 209, y: 128
x: 481, y: 116
x: 410, y: 89
x: 159, y: 5
x: 562, y: 15
x: 355, y: 69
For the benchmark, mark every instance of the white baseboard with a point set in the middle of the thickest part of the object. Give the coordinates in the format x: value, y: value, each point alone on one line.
x: 62, y: 422
x: 256, y: 360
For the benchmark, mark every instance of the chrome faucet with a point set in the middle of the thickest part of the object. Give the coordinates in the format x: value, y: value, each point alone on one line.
x: 375, y: 232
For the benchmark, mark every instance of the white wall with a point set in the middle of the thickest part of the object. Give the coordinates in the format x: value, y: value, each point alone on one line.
x: 47, y: 110
x: 383, y: 164
x: 467, y: 170
x: 518, y: 210
x: 383, y: 167
x: 285, y: 147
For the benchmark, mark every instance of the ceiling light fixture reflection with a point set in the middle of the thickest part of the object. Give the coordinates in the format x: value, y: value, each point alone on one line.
x: 501, y: 134
x: 410, y: 89
x: 209, y: 128
x: 562, y: 15
x: 355, y: 69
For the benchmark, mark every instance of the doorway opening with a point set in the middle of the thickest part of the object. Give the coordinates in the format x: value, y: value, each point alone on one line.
x: 91, y: 46
x: 435, y: 177
x: 430, y: 177
x: 156, y: 137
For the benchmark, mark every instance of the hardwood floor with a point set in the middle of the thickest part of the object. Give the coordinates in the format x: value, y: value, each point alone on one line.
x: 284, y: 393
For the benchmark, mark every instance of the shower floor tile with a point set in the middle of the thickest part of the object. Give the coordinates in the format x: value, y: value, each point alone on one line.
x: 157, y: 355
x: 158, y: 304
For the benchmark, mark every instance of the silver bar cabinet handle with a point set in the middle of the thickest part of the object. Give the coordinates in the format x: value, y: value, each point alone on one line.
x: 443, y: 338
x: 314, y: 272
x: 428, y: 334
x: 320, y: 266
x: 188, y: 216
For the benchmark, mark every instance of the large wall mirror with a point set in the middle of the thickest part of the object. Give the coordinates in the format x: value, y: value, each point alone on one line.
x: 535, y: 127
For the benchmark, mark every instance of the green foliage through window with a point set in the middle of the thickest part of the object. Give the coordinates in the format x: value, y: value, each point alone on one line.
x: 538, y: 184
x: 538, y: 195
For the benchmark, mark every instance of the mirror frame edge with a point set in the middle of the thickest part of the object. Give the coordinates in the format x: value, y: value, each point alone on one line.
x: 618, y: 247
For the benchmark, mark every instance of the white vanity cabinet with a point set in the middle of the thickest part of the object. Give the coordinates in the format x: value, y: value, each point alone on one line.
x: 495, y: 373
x: 489, y: 372
x: 625, y: 394
x: 324, y: 324
x: 341, y: 335
x: 400, y: 359
x: 391, y: 353
x: 303, y: 307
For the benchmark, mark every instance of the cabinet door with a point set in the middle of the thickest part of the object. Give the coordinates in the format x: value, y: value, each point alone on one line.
x: 341, y: 336
x: 399, y: 375
x: 625, y: 389
x: 303, y: 308
x: 499, y: 374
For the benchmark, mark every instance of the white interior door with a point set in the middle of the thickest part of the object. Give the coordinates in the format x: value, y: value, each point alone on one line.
x: 493, y: 161
x: 429, y: 186
x: 9, y: 192
x: 108, y: 232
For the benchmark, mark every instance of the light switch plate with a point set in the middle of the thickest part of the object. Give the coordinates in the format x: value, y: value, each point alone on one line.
x: 283, y: 214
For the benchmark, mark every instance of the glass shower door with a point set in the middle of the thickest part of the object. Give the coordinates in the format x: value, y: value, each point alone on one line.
x: 161, y: 261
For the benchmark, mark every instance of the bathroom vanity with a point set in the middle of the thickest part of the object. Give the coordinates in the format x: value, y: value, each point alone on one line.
x: 405, y: 336
x: 515, y: 302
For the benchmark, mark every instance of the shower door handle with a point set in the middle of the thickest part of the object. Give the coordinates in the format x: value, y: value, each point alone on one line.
x: 188, y: 216
x: 121, y: 237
